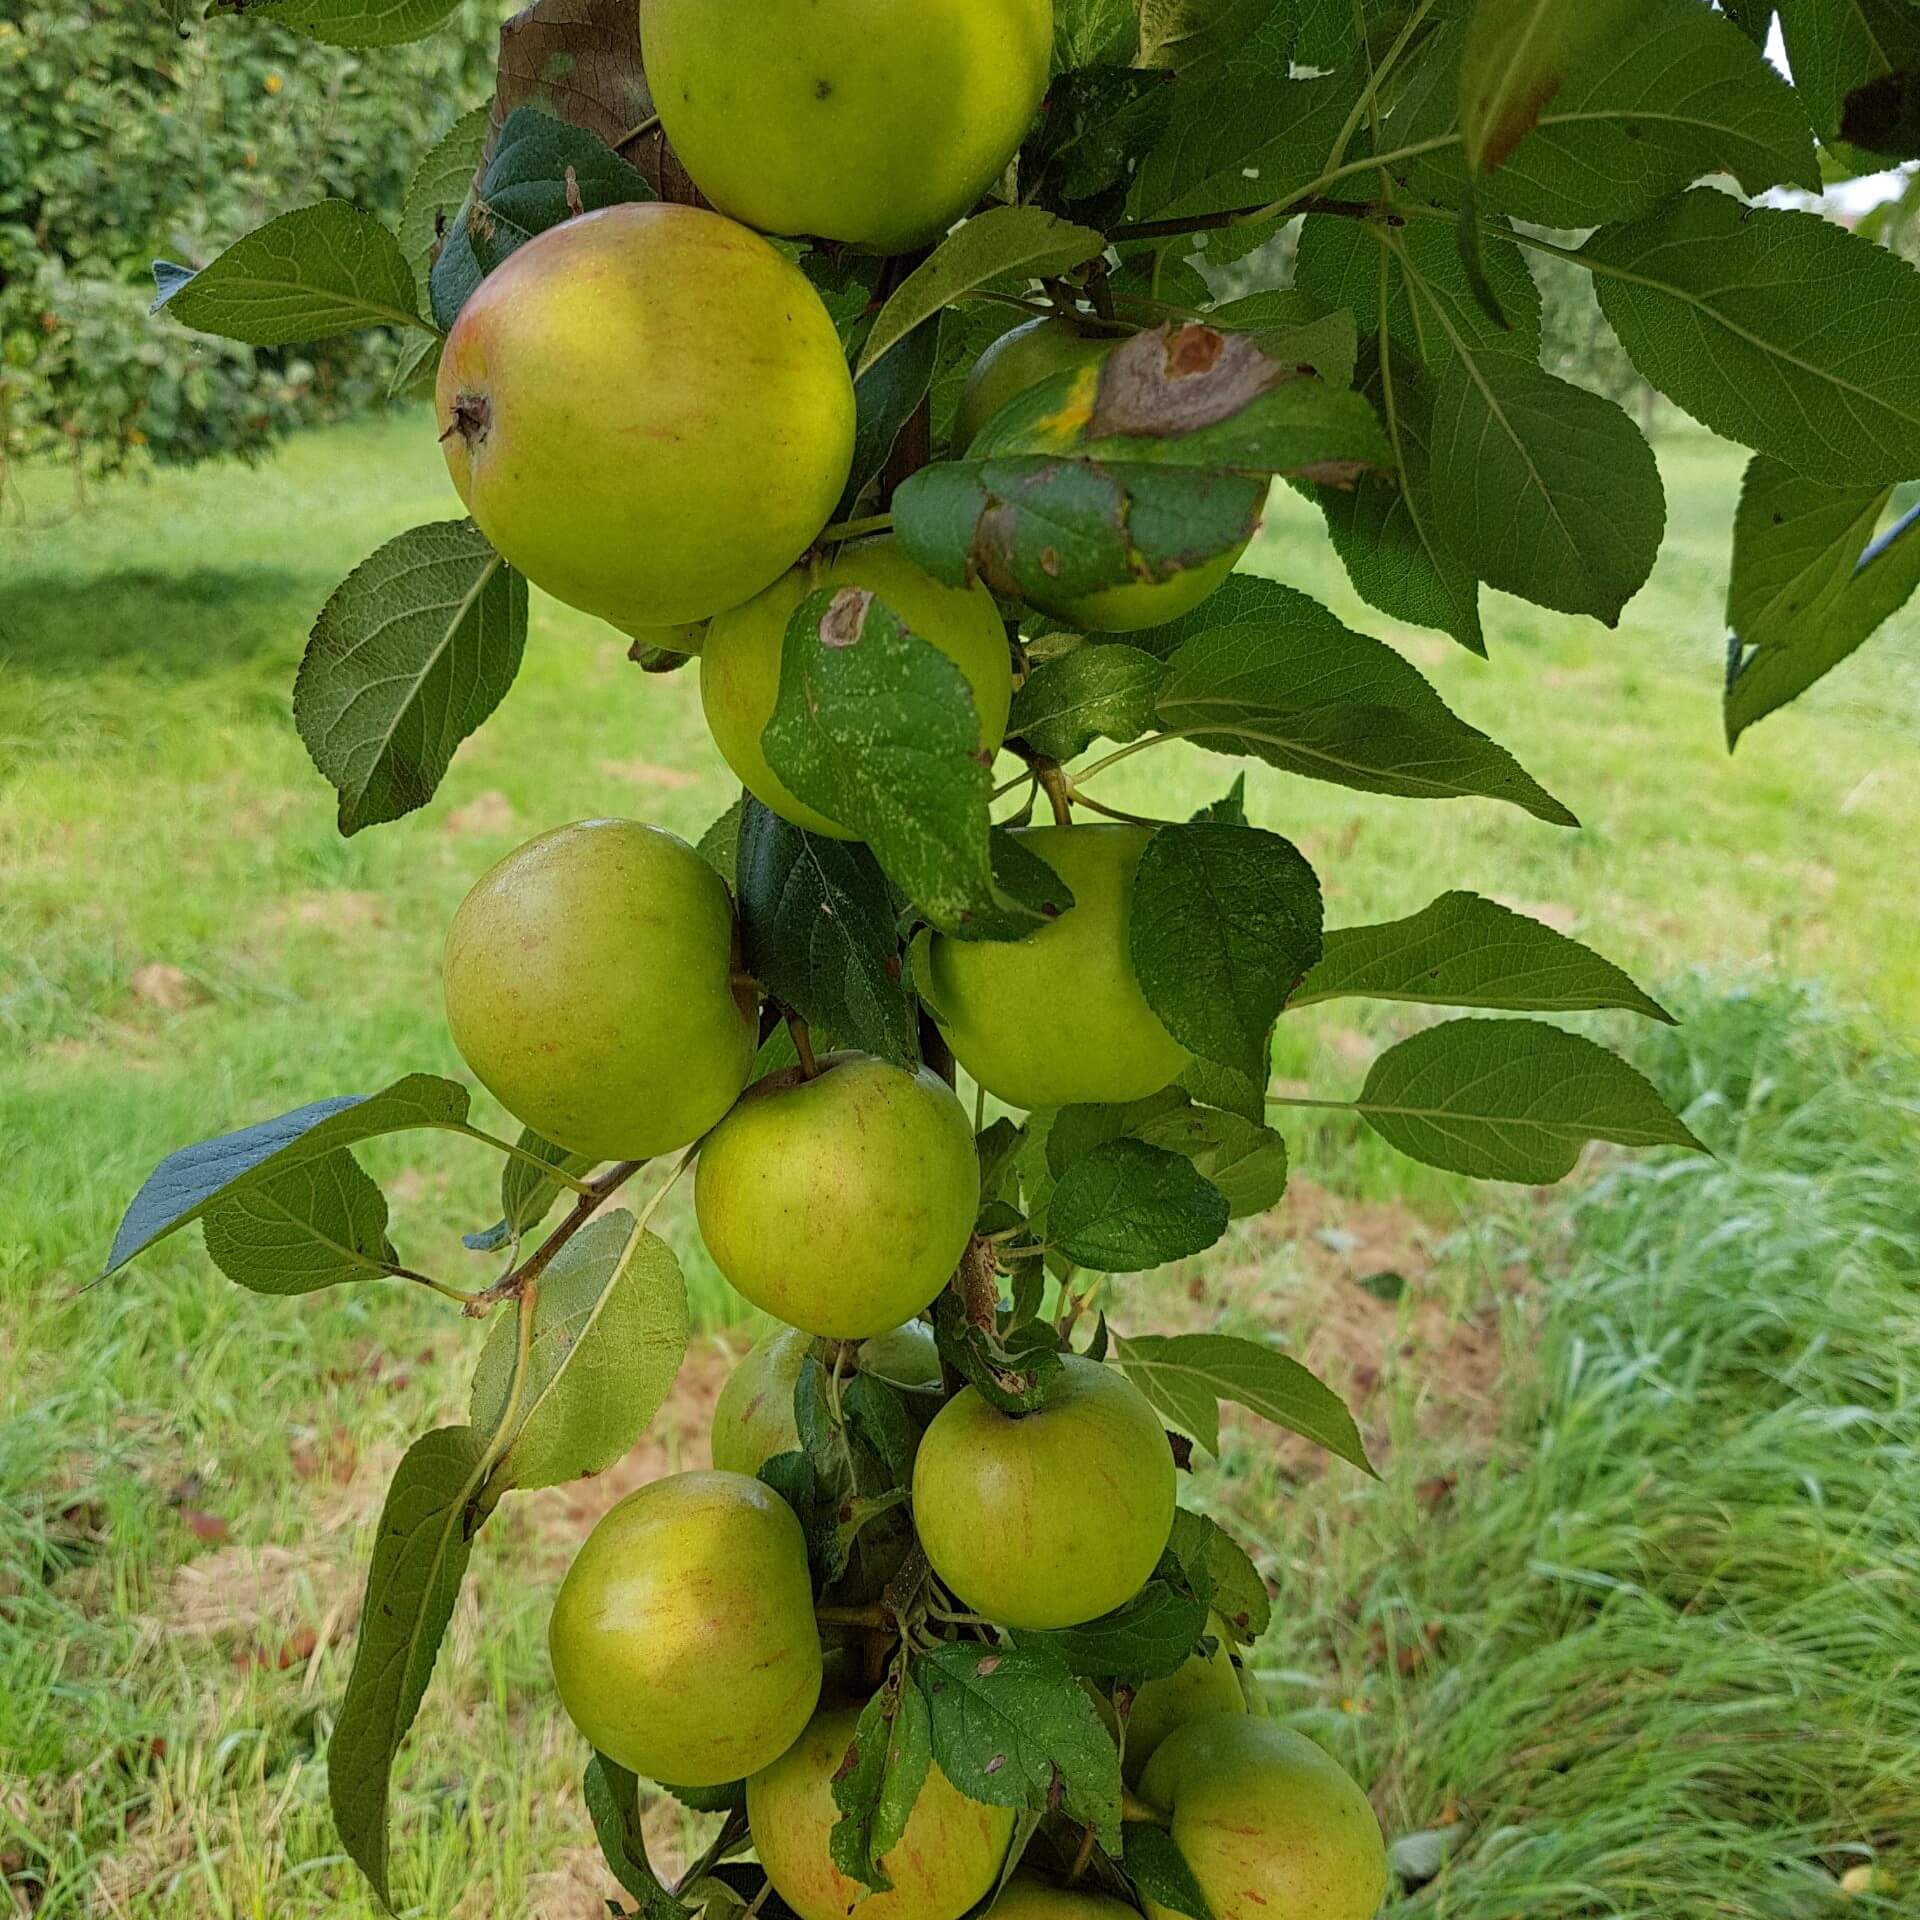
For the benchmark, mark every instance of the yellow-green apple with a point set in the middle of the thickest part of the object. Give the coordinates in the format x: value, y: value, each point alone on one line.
x: 1057, y: 1017
x: 1272, y: 1828
x: 1017, y: 361
x: 842, y: 1202
x: 591, y: 984
x: 857, y: 120
x: 740, y: 661
x: 1049, y: 1518
x: 947, y: 1858
x: 1026, y: 1897
x: 1205, y: 1683
x: 647, y: 410
x: 683, y: 1641
x: 906, y: 1355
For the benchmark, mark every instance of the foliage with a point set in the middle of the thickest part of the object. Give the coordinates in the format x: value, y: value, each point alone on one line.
x: 1124, y: 478
x: 125, y: 137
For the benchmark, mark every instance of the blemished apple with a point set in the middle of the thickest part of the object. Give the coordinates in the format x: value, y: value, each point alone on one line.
x: 1050, y: 1518
x: 1057, y: 1018
x: 857, y: 120
x: 648, y: 412
x: 948, y: 1857
x: 682, y: 1639
x: 1272, y: 1827
x: 740, y: 660
x: 591, y: 984
x: 840, y: 1203
x: 1019, y: 360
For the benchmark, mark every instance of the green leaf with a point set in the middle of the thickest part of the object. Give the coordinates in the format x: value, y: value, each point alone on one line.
x: 1187, y: 1375
x: 411, y: 653
x: 1244, y: 1159
x: 1092, y: 32
x: 885, y: 398
x: 316, y: 1225
x: 1159, y: 1870
x: 187, y: 1184
x: 1269, y: 673
x: 1191, y: 37
x: 439, y: 189
x: 876, y: 727
x: 1015, y: 1728
x: 719, y: 846
x: 1511, y: 1100
x: 1810, y: 584
x: 819, y: 932
x: 1243, y: 132
x: 1294, y: 326
x: 1840, y: 50
x: 1147, y: 1639
x: 1519, y: 54
x: 1732, y: 312
x: 309, y: 275
x: 1239, y: 1595
x: 527, y: 1193
x: 878, y: 1784
x: 1386, y: 528
x: 1127, y: 1206
x: 1100, y: 121
x: 1225, y: 920
x: 612, y: 1795
x: 1463, y: 951
x: 609, y: 1331
x: 420, y: 1555
x: 1090, y: 693
x: 348, y: 23
x: 542, y: 172
x: 1003, y: 241
x: 1544, y: 489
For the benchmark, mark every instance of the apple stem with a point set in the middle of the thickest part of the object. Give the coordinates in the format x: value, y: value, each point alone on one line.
x: 1132, y: 1807
x: 1053, y: 781
x: 853, y: 529
x: 803, y: 1046
x: 873, y: 1618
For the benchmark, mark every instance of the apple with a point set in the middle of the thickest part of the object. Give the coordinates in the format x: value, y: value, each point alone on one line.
x: 1145, y: 603
x: 647, y: 410
x: 948, y: 1857
x: 1050, y: 1518
x: 740, y: 661
x: 1057, y: 1018
x: 840, y: 1203
x: 1017, y: 361
x: 753, y: 1417
x: 682, y: 1640
x: 1272, y: 1828
x: 1205, y: 1683
x: 1027, y: 1897
x: 857, y: 120
x: 591, y: 985
x: 906, y: 1355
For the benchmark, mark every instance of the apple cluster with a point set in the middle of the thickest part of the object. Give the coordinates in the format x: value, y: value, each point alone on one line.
x: 648, y: 411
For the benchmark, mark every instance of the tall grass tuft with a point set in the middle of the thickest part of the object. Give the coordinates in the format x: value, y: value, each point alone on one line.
x: 1679, y: 1608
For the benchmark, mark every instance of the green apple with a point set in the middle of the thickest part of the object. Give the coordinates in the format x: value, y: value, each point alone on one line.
x: 1017, y: 361
x: 840, y: 1204
x: 1272, y: 1828
x: 948, y: 1857
x: 590, y: 983
x: 857, y: 120
x: 1057, y: 1018
x: 648, y: 411
x: 740, y: 662
x: 1145, y: 603
x: 753, y: 1417
x: 1205, y: 1683
x: 1050, y: 1518
x: 682, y: 1640
x: 906, y: 1355
x: 1026, y: 1897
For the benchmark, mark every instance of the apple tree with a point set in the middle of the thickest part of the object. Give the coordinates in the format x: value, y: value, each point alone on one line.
x: 864, y: 360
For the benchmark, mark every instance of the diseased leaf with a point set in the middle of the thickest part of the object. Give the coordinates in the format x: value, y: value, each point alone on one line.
x: 309, y: 275
x: 1810, y: 584
x: 819, y: 932
x: 1014, y: 1728
x: 420, y: 1555
x: 609, y: 1331
x: 1187, y: 1375
x: 1463, y: 951
x: 1840, y: 51
x: 875, y: 1792
x: 316, y: 1225
x: 1731, y: 311
x: 1511, y: 1100
x: 187, y: 1183
x: 1297, y: 328
x: 1127, y: 1206
x: 411, y: 653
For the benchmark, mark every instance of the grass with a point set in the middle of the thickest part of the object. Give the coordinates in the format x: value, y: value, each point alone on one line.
x: 1680, y: 1532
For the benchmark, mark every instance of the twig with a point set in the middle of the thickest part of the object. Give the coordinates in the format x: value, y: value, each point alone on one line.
x: 853, y: 529
x: 593, y: 1196
x: 1247, y: 217
x: 1058, y: 789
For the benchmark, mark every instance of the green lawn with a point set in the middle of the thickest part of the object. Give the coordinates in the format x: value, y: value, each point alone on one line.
x: 187, y: 1473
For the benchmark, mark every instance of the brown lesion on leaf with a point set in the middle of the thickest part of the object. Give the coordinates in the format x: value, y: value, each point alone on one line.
x: 846, y: 619
x: 1521, y: 116
x: 1180, y: 379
